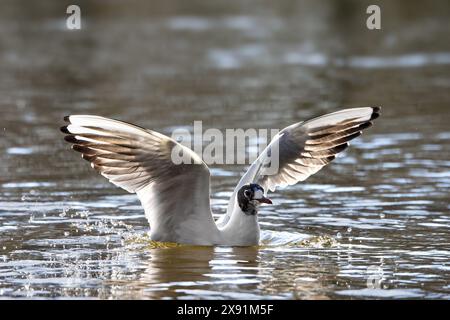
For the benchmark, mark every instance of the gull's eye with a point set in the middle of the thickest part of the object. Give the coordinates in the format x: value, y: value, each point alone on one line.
x: 248, y: 193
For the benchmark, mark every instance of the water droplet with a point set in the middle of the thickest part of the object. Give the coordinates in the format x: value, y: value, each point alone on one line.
x: 349, y: 229
x: 339, y: 235
x: 66, y: 233
x: 382, y: 215
x: 63, y: 213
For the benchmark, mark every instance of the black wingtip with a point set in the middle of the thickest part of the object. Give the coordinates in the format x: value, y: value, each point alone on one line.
x: 64, y: 130
x: 340, y: 147
x: 71, y: 138
x: 82, y: 149
x: 353, y: 135
x: 66, y: 119
x: 375, y: 113
x: 365, y: 125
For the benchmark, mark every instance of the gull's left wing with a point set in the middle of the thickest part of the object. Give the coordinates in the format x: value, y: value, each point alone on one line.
x: 304, y: 148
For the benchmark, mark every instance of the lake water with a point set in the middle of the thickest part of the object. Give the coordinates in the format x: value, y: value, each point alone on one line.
x: 373, y: 224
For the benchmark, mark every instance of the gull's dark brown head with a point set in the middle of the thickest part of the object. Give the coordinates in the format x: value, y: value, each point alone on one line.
x: 250, y: 196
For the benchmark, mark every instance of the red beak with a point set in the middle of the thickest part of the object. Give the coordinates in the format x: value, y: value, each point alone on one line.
x: 265, y: 200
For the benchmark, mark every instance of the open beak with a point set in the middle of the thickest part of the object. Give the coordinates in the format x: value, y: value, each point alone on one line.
x: 265, y: 200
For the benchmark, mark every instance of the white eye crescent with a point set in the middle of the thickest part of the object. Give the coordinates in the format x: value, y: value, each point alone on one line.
x: 248, y: 193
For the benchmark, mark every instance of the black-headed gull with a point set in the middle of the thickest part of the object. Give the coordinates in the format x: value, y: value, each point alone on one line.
x: 176, y: 197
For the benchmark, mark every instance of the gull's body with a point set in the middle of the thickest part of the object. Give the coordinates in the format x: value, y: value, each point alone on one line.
x: 176, y: 198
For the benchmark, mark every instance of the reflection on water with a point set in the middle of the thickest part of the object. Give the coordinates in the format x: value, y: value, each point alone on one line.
x: 374, y: 224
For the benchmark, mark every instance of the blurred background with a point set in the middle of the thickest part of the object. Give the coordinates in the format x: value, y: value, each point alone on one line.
x: 230, y: 64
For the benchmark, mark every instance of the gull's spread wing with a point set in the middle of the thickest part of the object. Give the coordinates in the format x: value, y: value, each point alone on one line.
x: 175, y: 196
x: 304, y: 148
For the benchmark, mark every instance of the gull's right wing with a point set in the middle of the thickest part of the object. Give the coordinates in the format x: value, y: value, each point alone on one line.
x: 175, y: 196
